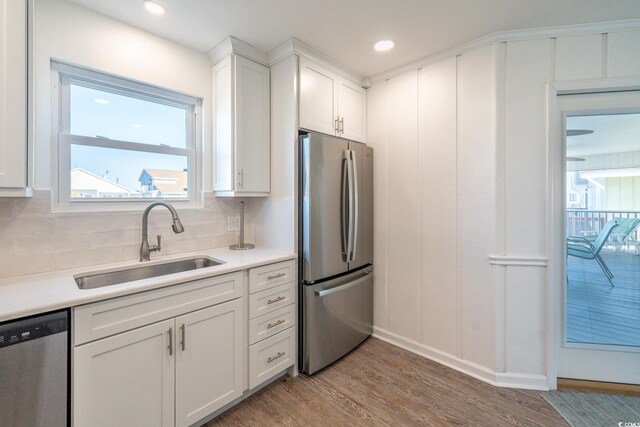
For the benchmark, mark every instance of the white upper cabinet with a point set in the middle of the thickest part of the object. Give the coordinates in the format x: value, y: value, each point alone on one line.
x: 241, y: 138
x: 331, y: 104
x: 13, y: 98
x: 318, y: 100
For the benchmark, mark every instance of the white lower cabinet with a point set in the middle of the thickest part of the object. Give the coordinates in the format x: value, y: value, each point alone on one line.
x: 271, y: 356
x: 175, y: 356
x: 173, y: 372
x: 208, y: 361
x: 126, y: 379
x: 272, y: 320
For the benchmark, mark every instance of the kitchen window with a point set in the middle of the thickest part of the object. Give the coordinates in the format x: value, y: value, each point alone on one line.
x: 121, y: 142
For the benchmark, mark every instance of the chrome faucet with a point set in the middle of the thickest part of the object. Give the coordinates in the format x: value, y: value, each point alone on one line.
x: 145, y: 249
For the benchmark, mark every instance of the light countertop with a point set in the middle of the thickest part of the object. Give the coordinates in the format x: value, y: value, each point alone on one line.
x: 38, y: 293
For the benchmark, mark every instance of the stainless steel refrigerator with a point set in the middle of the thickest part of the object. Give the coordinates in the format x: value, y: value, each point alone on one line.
x: 336, y: 248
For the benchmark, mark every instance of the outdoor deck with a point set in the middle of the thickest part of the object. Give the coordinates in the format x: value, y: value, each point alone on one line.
x: 598, y: 313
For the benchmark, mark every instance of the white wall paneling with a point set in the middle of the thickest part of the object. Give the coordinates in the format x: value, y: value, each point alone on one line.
x: 491, y: 271
x: 623, y: 54
x: 437, y: 128
x: 579, y: 57
x: 433, y: 132
x: 476, y: 203
x: 377, y: 119
x: 405, y: 273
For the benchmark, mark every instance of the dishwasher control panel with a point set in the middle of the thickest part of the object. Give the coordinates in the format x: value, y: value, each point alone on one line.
x: 18, y: 331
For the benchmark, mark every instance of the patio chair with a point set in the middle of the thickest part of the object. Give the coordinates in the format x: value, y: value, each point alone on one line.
x: 619, y: 236
x: 581, y: 247
x: 626, y: 226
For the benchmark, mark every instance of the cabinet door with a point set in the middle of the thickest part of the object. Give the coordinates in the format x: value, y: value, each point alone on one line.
x: 352, y: 101
x: 209, y: 362
x: 13, y: 93
x: 223, y: 173
x: 252, y: 127
x: 126, y: 380
x: 318, y: 103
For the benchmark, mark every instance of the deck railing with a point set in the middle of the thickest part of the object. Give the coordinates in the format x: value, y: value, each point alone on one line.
x: 582, y: 222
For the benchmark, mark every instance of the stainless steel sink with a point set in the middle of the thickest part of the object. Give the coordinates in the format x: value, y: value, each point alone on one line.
x: 130, y: 274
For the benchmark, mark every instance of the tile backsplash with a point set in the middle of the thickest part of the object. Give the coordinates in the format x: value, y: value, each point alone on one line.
x: 34, y: 240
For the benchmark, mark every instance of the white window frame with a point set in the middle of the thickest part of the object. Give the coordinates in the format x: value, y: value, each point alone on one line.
x: 65, y: 75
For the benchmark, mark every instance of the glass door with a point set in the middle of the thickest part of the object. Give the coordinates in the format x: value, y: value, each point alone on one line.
x: 601, y: 328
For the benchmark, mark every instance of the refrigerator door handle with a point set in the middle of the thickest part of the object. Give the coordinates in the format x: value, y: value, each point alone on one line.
x: 344, y: 214
x: 325, y: 292
x: 350, y: 234
x: 356, y: 214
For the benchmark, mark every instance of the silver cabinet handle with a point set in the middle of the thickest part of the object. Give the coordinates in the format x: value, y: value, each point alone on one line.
x: 276, y: 276
x: 341, y: 126
x: 277, y: 356
x: 273, y: 301
x: 337, y: 124
x: 273, y: 325
x: 170, y: 346
x: 241, y: 178
x: 183, y: 341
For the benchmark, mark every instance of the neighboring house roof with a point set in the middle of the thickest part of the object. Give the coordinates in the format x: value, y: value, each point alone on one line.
x: 165, y: 180
x: 83, y: 180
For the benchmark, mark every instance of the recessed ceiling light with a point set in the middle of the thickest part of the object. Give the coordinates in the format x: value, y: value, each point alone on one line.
x: 101, y: 101
x: 153, y: 7
x: 384, y: 45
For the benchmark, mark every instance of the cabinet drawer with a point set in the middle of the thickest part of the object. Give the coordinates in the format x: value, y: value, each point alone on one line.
x: 271, y: 356
x: 271, y: 323
x: 105, y: 318
x: 271, y: 275
x: 270, y: 299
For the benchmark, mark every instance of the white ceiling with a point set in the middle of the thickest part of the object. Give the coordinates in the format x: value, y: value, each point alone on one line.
x: 614, y: 133
x: 346, y: 29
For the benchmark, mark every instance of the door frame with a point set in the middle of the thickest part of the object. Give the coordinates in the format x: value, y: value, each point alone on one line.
x: 555, y: 205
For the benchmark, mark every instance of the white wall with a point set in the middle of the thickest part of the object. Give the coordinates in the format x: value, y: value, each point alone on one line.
x: 70, y: 33
x: 32, y: 238
x: 529, y: 65
x: 461, y: 199
x: 276, y: 215
x: 432, y: 131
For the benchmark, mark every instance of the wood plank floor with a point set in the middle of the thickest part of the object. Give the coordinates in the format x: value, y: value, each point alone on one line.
x: 597, y: 312
x: 380, y: 384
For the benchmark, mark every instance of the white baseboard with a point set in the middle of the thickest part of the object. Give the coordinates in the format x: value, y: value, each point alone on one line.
x: 498, y: 379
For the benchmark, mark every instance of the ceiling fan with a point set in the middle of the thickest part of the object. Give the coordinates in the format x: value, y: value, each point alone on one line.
x: 578, y: 132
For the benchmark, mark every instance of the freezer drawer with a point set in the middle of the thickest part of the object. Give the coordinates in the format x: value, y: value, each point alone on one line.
x: 338, y: 315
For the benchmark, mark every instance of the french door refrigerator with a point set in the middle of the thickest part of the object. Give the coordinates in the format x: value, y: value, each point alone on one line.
x: 336, y: 248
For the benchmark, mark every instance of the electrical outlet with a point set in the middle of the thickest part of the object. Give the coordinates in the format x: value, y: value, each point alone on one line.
x: 233, y: 223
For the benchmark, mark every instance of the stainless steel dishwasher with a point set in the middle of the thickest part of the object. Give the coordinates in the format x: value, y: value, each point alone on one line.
x: 34, y: 371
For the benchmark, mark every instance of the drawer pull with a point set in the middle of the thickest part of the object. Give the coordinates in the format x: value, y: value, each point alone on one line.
x: 277, y: 356
x: 273, y: 301
x: 273, y: 325
x: 275, y: 276
x: 170, y: 332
